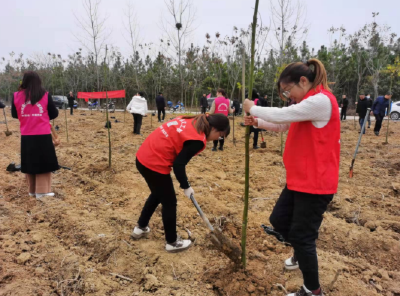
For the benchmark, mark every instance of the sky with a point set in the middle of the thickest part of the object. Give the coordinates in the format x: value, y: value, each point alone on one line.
x: 39, y: 26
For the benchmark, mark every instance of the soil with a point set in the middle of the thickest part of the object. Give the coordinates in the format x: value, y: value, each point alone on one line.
x: 70, y: 244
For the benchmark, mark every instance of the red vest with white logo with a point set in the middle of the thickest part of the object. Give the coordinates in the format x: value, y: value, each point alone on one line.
x: 222, y: 106
x: 160, y: 149
x: 312, y: 154
x: 34, y: 119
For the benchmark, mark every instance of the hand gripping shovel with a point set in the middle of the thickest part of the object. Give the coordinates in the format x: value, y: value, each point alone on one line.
x: 7, y: 132
x: 358, y: 143
x: 218, y: 239
x: 263, y: 144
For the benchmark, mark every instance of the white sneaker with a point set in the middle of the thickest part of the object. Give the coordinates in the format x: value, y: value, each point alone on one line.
x: 291, y: 264
x: 32, y: 194
x: 40, y: 195
x: 138, y: 232
x: 178, y: 246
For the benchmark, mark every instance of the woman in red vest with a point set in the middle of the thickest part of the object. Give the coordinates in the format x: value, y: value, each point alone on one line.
x: 171, y: 146
x: 311, y: 159
x: 221, y: 105
x: 34, y: 107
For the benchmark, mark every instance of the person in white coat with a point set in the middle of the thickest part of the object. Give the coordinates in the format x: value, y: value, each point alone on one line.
x: 138, y: 108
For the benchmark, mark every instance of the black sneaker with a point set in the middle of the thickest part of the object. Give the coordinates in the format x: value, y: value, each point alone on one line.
x: 255, y: 147
x: 376, y: 133
x: 214, y: 149
x: 221, y: 148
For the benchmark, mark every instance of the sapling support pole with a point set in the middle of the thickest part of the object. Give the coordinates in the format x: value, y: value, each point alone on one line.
x: 389, y: 109
x: 107, y: 117
x: 358, y: 143
x: 247, y: 157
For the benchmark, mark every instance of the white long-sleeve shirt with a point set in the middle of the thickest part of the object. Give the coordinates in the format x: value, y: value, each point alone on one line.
x: 317, y: 109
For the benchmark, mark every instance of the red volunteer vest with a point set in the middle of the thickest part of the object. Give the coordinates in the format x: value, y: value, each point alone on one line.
x: 222, y: 106
x: 312, y: 154
x: 162, y: 146
x: 34, y: 119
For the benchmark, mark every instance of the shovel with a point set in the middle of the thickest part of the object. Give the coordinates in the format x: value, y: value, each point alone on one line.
x: 7, y: 132
x: 218, y: 239
x: 358, y: 143
x: 263, y: 143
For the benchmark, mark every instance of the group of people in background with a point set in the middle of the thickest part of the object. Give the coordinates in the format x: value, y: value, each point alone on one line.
x: 379, y: 108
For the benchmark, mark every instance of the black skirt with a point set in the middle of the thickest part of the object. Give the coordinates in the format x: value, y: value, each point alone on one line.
x: 38, y: 155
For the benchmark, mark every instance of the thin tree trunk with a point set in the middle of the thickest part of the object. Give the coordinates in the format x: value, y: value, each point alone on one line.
x: 247, y: 159
x: 389, y: 109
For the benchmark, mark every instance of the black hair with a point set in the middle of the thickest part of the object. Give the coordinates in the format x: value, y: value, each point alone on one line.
x: 204, y: 123
x: 32, y: 85
x: 222, y: 91
x: 141, y: 93
x: 313, y: 70
x: 254, y: 94
x: 160, y: 93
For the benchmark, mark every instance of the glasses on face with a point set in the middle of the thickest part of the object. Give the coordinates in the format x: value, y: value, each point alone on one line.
x: 286, y: 93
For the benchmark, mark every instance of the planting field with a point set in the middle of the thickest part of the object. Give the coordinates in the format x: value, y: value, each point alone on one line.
x: 70, y: 244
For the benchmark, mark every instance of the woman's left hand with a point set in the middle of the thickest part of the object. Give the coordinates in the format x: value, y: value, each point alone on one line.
x: 247, y: 105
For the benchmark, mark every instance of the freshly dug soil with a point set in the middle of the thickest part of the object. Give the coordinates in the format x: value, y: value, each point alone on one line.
x: 70, y: 244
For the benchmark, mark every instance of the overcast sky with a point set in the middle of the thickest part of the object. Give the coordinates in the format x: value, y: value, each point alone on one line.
x: 41, y: 26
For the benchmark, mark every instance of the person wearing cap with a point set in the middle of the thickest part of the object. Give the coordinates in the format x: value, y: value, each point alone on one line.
x: 379, y: 110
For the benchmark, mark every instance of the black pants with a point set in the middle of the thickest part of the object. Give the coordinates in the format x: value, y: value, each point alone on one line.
x: 137, y: 123
x: 72, y: 110
x: 343, y: 113
x: 221, y: 142
x: 162, y: 192
x: 159, y: 114
x: 298, y: 216
x: 378, y: 122
x: 203, y: 110
x: 255, y: 138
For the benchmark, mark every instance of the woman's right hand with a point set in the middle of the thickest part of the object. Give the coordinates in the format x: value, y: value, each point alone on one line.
x: 250, y: 120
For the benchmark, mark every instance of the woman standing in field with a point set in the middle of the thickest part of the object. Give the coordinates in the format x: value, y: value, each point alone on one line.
x: 34, y: 107
x: 221, y: 105
x: 171, y: 146
x: 311, y: 159
x: 138, y: 108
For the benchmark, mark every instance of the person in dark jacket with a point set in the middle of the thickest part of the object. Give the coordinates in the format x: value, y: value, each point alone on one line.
x: 236, y: 105
x: 344, y: 104
x: 71, y: 101
x: 34, y: 108
x: 203, y: 104
x: 379, y: 110
x: 160, y: 102
x: 254, y: 130
x: 265, y: 101
x: 361, y: 110
x: 370, y: 102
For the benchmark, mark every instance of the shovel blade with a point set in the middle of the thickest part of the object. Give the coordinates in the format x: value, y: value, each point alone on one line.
x: 226, y: 246
x: 8, y: 133
x: 263, y: 145
x: 351, y: 173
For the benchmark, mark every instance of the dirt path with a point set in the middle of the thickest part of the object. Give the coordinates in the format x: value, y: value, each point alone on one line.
x: 70, y: 244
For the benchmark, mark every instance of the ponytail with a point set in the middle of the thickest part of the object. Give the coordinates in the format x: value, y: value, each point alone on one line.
x: 313, y: 70
x: 204, y: 123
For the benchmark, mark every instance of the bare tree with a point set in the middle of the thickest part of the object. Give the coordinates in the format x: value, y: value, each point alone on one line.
x: 288, y: 19
x: 95, y: 33
x: 179, y: 29
x: 132, y: 27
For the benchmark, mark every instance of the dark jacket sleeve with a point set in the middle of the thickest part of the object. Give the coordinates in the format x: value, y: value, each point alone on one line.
x: 51, y: 108
x: 374, y: 106
x: 190, y: 149
x: 14, y: 112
